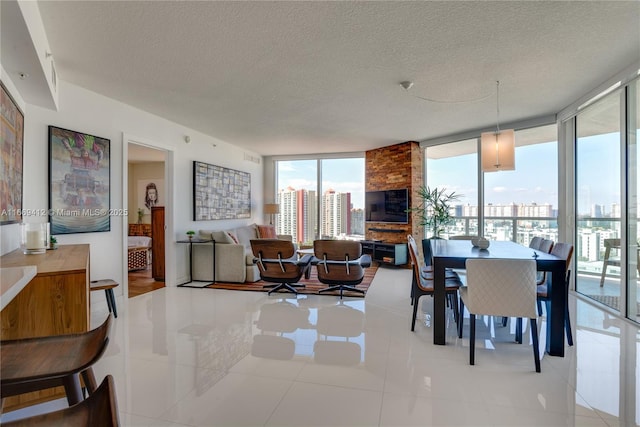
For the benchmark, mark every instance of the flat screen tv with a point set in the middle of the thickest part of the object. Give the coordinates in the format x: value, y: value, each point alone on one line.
x: 387, y: 206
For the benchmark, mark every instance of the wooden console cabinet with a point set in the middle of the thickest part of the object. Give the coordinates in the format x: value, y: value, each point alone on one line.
x: 55, y: 302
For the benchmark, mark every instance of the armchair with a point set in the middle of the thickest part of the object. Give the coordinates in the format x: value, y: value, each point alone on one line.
x: 340, y: 264
x: 278, y: 263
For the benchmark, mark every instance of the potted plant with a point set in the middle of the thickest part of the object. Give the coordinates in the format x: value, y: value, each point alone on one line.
x: 190, y: 234
x: 53, y: 242
x: 434, y: 209
x: 140, y: 215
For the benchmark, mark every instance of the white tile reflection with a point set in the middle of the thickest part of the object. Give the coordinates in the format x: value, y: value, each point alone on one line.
x: 202, y: 357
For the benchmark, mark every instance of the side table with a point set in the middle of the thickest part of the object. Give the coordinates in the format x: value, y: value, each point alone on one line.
x: 199, y: 241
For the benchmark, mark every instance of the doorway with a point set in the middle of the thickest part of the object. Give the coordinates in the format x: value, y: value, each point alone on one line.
x: 146, y: 190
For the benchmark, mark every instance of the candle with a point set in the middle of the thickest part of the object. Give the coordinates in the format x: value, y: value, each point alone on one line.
x: 35, y: 239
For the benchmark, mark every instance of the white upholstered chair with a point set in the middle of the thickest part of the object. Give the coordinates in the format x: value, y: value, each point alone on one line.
x: 500, y: 287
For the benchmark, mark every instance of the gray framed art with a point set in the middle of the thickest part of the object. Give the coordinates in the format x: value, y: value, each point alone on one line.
x: 220, y: 193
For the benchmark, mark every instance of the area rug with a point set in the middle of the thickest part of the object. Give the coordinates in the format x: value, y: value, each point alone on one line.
x: 312, y: 285
x: 610, y: 301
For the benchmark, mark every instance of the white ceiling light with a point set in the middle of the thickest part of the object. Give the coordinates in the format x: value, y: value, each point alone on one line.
x: 498, y: 148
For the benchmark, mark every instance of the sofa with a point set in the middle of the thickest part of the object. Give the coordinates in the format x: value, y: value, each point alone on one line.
x: 234, y: 258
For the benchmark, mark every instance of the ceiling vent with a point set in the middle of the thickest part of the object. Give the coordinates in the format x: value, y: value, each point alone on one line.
x: 254, y: 159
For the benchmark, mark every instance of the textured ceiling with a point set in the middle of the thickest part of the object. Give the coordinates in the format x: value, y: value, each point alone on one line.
x: 319, y: 77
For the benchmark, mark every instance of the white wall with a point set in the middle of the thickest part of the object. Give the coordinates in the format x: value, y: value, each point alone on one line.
x: 88, y: 112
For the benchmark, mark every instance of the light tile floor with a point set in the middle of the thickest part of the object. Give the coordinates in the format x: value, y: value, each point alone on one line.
x: 202, y: 357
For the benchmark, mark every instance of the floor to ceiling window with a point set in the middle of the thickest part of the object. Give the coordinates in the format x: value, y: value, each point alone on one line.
x: 598, y: 201
x: 523, y: 203
x: 518, y: 204
x: 342, y: 198
x: 454, y: 167
x: 320, y: 198
x: 633, y: 179
x: 297, y: 189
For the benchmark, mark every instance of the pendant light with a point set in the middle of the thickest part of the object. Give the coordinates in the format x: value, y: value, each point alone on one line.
x: 498, y: 148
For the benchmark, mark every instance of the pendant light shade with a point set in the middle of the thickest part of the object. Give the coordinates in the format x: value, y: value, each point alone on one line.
x: 498, y: 149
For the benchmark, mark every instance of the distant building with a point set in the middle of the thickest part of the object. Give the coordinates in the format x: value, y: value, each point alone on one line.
x: 357, y: 221
x: 597, y: 211
x: 298, y: 214
x: 336, y: 214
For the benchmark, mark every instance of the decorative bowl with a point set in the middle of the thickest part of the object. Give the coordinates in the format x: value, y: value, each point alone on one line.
x: 474, y: 240
x: 483, y: 243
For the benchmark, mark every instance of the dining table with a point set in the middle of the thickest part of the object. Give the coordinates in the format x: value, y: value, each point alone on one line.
x: 454, y: 254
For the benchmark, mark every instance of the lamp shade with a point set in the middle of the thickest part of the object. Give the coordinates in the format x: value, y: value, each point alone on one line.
x: 498, y: 150
x: 271, y: 208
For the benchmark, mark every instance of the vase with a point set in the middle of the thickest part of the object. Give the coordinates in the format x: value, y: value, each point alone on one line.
x: 34, y: 237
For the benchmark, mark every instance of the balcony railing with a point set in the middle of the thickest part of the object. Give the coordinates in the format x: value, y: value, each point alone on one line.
x: 518, y: 229
x: 591, y: 231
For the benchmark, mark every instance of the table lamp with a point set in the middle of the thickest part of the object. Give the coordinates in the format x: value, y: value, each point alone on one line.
x: 271, y: 209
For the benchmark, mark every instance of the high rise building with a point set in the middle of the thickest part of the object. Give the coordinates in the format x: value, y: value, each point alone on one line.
x: 298, y: 214
x: 336, y: 214
x: 597, y: 211
x: 357, y: 221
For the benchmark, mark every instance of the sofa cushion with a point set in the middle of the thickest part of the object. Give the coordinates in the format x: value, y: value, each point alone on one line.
x: 245, y: 234
x: 267, y: 232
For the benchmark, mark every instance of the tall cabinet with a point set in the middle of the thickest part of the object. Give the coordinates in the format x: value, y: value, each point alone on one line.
x: 157, y: 243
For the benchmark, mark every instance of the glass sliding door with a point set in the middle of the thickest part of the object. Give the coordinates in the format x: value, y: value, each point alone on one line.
x: 598, y: 251
x: 454, y: 166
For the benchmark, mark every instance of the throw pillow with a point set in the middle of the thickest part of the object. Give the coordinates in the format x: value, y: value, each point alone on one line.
x: 232, y: 236
x: 221, y: 237
x: 267, y: 232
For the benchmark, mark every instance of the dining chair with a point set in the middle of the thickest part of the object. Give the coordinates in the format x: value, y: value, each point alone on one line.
x: 426, y: 267
x: 100, y: 409
x: 34, y: 364
x: 535, y: 242
x: 607, y: 260
x: 423, y: 284
x: 564, y: 251
x: 546, y: 245
x: 340, y: 264
x: 500, y: 287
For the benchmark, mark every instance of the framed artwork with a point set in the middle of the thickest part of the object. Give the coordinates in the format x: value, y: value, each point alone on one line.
x: 11, y: 147
x: 79, y: 182
x: 220, y: 193
x: 150, y: 193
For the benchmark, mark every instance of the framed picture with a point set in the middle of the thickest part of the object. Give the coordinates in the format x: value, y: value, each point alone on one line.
x: 11, y: 147
x: 79, y: 182
x: 220, y: 193
x: 150, y: 193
